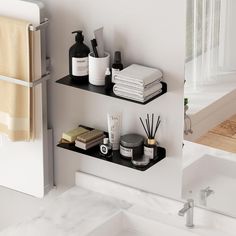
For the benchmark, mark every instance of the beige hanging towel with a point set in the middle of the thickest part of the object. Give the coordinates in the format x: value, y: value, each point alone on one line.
x: 15, y: 111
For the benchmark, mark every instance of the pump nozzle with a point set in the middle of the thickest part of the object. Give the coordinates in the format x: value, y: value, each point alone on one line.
x: 79, y: 37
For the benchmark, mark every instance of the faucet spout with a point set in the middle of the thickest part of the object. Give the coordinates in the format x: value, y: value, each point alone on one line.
x: 184, y: 209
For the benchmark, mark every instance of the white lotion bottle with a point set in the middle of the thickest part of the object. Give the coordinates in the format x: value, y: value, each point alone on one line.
x: 114, y: 127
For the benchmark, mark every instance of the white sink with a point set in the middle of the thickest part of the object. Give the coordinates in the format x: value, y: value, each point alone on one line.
x: 220, y: 177
x: 127, y: 224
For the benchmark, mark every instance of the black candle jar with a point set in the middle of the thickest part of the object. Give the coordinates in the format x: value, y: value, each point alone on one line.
x: 131, y: 146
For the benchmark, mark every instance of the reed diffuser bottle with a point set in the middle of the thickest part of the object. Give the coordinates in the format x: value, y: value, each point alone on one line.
x: 150, y: 148
x: 150, y: 144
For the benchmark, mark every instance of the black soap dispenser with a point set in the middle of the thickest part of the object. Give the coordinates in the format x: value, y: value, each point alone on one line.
x: 78, y: 59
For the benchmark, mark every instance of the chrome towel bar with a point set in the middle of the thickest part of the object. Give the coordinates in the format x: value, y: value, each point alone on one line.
x: 42, y: 25
x: 25, y: 83
x: 38, y: 81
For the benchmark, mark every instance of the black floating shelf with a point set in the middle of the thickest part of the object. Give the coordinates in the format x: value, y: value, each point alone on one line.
x: 101, y: 89
x: 116, y: 158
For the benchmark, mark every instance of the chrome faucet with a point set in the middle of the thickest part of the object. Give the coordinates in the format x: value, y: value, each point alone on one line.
x: 204, y: 194
x: 188, y: 209
x: 187, y: 121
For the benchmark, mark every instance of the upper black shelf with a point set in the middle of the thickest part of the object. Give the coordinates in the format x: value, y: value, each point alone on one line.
x: 101, y: 89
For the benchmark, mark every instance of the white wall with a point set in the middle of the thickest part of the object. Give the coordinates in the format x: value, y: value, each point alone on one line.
x: 150, y: 32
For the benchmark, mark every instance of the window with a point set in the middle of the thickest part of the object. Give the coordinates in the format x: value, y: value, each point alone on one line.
x: 202, y: 42
x: 203, y: 26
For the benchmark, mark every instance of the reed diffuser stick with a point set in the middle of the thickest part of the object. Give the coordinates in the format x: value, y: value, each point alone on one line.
x: 149, y: 128
x: 157, y: 125
x: 152, y: 126
x: 143, y: 126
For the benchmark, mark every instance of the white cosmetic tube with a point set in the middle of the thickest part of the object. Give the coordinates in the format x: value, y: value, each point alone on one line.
x: 114, y: 127
x: 100, y: 41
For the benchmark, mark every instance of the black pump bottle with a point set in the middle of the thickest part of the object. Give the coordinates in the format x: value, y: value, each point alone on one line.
x: 78, y: 59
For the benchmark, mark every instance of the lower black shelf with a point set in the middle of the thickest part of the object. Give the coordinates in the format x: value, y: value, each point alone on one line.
x: 116, y: 159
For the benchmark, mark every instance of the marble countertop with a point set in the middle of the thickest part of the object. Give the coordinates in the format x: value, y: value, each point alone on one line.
x: 76, y: 212
x: 87, y: 205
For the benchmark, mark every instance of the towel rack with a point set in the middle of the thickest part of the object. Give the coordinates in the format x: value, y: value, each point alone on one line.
x: 25, y: 83
x: 38, y: 81
x: 39, y: 27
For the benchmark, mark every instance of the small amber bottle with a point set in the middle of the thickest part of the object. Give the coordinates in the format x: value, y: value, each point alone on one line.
x: 117, y: 65
x: 150, y: 148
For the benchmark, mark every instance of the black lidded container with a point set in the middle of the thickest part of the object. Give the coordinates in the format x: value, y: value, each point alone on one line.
x: 78, y: 59
x: 131, y: 146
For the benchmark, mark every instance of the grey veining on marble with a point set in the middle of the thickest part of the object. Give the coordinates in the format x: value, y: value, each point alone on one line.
x: 161, y: 208
x: 75, y: 212
x: 81, y: 209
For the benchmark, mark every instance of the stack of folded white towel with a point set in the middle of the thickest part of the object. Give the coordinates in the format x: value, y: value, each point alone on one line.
x: 138, y: 83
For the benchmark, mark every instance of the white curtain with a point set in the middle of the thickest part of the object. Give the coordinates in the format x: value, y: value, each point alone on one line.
x: 227, y: 46
x: 211, y: 40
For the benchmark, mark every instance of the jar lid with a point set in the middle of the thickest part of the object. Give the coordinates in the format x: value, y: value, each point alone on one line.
x: 131, y: 140
x: 105, y: 141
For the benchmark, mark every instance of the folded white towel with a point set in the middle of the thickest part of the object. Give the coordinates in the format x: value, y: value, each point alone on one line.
x: 137, y: 87
x: 138, y: 75
x: 136, y: 92
x: 136, y: 97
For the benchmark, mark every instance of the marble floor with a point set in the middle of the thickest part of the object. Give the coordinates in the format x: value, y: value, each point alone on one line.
x: 222, y: 136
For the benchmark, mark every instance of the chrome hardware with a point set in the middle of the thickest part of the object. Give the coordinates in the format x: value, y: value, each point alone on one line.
x: 188, y: 210
x: 39, y: 27
x: 25, y: 83
x: 187, y: 122
x: 204, y: 194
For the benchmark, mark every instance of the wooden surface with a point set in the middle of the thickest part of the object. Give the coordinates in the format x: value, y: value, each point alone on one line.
x: 222, y: 136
